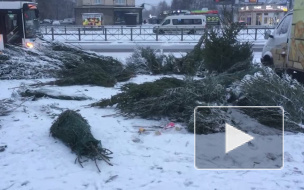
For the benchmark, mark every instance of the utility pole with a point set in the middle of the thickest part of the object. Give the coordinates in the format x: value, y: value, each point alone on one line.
x: 236, y: 14
x: 57, y: 7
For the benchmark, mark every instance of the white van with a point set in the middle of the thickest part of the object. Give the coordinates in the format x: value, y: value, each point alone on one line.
x: 276, y: 48
x: 284, y: 50
x: 176, y: 23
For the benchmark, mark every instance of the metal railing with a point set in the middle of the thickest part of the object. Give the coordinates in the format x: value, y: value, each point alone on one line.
x: 136, y: 34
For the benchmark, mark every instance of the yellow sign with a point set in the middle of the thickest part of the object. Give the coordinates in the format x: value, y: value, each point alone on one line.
x: 212, y: 19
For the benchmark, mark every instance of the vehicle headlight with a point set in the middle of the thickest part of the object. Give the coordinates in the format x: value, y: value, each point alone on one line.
x: 29, y: 44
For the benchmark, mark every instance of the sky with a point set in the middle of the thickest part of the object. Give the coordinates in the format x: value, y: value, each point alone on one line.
x: 153, y: 2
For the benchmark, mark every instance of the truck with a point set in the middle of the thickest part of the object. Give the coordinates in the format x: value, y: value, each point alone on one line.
x: 284, y: 50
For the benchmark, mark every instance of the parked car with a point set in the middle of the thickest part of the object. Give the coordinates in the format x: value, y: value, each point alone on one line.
x: 47, y: 21
x: 56, y: 22
x: 243, y: 24
x: 68, y: 21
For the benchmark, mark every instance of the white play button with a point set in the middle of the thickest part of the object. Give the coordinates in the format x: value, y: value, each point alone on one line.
x: 248, y: 145
x: 235, y: 138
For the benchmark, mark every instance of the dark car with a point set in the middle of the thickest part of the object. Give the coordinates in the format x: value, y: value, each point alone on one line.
x: 243, y: 24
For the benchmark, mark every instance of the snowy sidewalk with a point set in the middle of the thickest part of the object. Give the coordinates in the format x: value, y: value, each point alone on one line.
x: 35, y: 160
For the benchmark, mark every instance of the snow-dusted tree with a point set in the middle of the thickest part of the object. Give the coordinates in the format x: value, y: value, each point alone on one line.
x: 222, y: 50
x: 265, y: 88
x: 72, y: 129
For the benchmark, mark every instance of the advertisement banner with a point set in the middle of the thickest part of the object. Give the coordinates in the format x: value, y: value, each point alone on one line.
x: 91, y: 19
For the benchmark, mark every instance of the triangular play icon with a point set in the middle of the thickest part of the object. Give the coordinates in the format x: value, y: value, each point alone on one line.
x: 235, y: 138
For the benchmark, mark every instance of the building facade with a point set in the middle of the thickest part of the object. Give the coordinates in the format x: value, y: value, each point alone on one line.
x: 114, y: 12
x: 262, y: 12
x: 265, y: 15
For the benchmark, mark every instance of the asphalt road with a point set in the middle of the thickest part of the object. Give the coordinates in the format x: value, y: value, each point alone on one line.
x: 128, y: 47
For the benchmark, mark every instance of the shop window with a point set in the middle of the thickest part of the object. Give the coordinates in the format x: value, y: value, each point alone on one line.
x: 97, y: 2
x: 271, y: 21
x: 120, y: 2
x: 265, y: 20
x: 258, y: 19
x: 249, y: 20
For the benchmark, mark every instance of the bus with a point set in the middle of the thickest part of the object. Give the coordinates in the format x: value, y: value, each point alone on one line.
x: 19, y: 23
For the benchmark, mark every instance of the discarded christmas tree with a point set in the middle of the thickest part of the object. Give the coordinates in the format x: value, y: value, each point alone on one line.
x: 74, y: 131
x: 167, y: 97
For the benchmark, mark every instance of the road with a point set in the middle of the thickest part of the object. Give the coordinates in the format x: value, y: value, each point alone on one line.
x: 129, y: 47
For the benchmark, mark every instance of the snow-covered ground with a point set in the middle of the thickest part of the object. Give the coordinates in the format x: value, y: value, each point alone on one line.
x: 35, y: 160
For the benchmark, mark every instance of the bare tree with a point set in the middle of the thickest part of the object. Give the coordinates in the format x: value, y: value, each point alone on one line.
x: 181, y: 4
x: 156, y: 10
x: 199, y: 4
x: 193, y: 4
x: 226, y: 14
x: 56, y: 9
x: 163, y: 6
